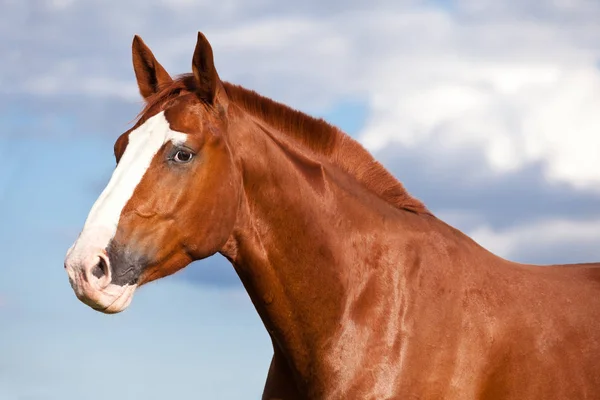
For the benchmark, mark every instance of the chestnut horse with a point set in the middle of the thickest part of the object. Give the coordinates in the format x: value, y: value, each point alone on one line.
x: 364, y: 293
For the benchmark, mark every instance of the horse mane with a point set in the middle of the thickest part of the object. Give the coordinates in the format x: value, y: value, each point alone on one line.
x: 314, y: 133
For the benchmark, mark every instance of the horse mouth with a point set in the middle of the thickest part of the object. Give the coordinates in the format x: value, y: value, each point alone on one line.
x: 111, y: 299
x: 120, y: 302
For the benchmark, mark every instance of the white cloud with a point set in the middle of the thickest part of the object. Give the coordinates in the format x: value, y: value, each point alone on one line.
x: 521, y: 100
x: 517, y: 114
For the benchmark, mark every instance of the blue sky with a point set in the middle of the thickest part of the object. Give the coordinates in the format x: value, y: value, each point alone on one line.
x: 487, y: 112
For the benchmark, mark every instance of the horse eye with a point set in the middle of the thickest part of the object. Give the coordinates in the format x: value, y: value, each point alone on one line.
x: 183, y: 156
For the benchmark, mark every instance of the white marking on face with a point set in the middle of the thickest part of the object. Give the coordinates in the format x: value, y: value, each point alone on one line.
x: 103, y: 219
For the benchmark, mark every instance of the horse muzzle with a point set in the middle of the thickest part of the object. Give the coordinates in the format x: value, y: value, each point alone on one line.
x: 91, y: 277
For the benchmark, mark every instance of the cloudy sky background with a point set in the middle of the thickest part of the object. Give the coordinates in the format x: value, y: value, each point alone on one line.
x: 487, y: 111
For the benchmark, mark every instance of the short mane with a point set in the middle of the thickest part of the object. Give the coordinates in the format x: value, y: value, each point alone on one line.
x: 316, y: 134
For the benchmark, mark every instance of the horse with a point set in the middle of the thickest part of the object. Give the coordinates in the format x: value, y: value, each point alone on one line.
x: 364, y: 292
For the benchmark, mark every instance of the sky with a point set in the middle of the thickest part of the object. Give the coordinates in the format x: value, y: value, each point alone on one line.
x: 487, y: 111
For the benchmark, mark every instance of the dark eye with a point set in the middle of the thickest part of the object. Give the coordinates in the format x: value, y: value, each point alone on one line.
x: 183, y: 156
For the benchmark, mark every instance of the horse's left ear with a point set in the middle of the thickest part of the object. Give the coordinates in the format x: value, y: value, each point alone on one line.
x: 203, y: 67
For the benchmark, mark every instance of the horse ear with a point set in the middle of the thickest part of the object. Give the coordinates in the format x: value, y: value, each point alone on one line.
x: 149, y: 73
x: 203, y: 67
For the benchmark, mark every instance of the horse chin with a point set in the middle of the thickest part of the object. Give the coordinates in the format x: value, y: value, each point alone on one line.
x: 111, y: 300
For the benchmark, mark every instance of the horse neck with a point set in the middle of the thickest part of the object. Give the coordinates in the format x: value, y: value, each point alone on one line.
x: 302, y: 224
x: 282, y: 244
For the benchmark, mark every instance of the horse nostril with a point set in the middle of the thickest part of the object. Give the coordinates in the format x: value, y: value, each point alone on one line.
x: 100, y: 269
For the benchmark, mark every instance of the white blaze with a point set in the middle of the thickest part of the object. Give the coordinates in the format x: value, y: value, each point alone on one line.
x: 103, y: 219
